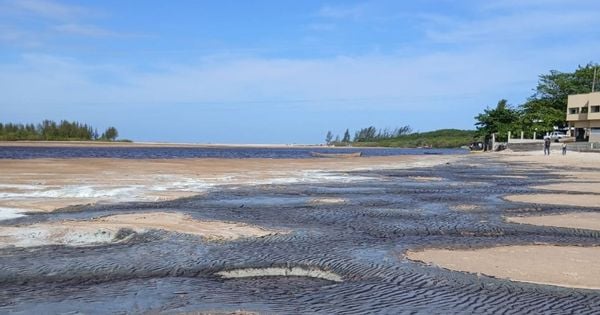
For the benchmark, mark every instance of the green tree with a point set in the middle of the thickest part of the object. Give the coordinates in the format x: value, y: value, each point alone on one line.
x: 110, y: 134
x: 498, y: 120
x: 346, y: 138
x: 328, y: 137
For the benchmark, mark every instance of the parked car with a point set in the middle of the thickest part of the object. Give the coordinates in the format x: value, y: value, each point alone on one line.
x: 556, y: 135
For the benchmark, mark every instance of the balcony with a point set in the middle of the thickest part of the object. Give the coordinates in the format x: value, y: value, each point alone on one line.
x: 577, y: 117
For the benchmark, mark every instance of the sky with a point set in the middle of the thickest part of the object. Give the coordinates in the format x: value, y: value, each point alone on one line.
x: 281, y: 71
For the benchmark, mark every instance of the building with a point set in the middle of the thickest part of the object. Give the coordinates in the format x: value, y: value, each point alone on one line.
x: 583, y: 116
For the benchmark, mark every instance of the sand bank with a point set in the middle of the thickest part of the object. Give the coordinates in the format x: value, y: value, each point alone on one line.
x: 567, y: 266
x: 48, y: 184
x: 106, y: 229
x: 572, y: 180
x: 464, y: 207
x: 576, y: 220
x: 558, y: 199
x: 280, y: 272
x: 426, y: 178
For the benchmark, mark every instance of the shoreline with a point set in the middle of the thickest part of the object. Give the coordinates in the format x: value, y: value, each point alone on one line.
x: 148, y: 144
x: 158, y: 144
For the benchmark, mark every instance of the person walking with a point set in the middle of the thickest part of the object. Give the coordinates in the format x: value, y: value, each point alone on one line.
x: 564, y: 149
x: 547, y: 146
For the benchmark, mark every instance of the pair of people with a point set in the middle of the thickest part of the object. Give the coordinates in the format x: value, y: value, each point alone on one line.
x: 547, y: 143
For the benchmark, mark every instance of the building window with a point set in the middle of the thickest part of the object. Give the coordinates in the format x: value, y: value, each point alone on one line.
x: 595, y: 109
x: 584, y: 110
x: 574, y: 110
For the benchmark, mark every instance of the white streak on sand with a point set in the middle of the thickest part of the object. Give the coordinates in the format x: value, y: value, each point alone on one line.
x: 10, y: 213
x: 105, y: 229
x: 281, y: 272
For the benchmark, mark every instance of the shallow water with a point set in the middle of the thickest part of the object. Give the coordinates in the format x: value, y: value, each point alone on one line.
x: 361, y: 240
x: 25, y: 152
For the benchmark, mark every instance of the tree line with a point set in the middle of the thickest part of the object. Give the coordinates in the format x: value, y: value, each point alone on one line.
x: 404, y: 137
x: 52, y: 131
x: 544, y: 110
x: 368, y: 134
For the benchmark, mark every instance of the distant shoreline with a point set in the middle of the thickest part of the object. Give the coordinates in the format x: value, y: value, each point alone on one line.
x: 148, y: 144
x: 151, y: 144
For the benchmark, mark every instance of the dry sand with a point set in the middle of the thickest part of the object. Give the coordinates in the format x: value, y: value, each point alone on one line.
x: 464, y: 207
x: 48, y: 184
x: 568, y: 266
x: 280, y: 272
x: 576, y: 220
x: 105, y: 229
x: 573, y: 181
x: 558, y: 199
x: 327, y: 201
x: 426, y: 178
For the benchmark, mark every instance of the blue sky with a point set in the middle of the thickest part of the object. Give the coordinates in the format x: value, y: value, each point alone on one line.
x: 280, y: 71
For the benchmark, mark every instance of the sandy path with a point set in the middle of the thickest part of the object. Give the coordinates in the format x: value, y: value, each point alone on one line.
x: 48, y: 184
x: 569, y: 266
x: 105, y: 229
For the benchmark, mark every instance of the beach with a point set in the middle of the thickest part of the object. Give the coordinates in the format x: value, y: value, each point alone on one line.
x: 465, y: 221
x: 570, y: 266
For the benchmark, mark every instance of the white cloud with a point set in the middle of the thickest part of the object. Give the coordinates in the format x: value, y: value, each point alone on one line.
x: 52, y: 19
x: 48, y: 9
x: 506, y: 21
x: 409, y: 83
x: 84, y: 30
x: 342, y: 12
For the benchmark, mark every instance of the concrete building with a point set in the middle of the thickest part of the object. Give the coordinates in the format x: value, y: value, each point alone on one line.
x: 583, y: 116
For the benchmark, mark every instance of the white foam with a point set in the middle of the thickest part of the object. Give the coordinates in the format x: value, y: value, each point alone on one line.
x: 19, y: 186
x: 183, y: 184
x: 10, y: 213
x: 39, y: 236
x: 75, y: 191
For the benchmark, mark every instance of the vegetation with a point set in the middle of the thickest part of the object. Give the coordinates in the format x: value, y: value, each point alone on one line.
x: 443, y: 138
x: 52, y: 131
x: 405, y: 138
x: 543, y: 111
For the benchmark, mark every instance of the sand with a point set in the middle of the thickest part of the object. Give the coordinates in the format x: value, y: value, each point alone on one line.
x: 464, y: 207
x: 280, y: 272
x: 567, y: 266
x: 426, y: 178
x: 105, y: 230
x: 573, y: 180
x: 558, y: 199
x: 575, y: 220
x: 327, y: 201
x: 49, y: 184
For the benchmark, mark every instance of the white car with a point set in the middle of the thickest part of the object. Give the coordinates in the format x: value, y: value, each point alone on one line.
x: 556, y: 135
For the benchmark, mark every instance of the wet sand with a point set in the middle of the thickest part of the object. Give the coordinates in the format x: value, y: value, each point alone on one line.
x: 569, y: 266
x: 49, y: 184
x: 106, y: 230
x: 555, y: 265
x: 337, y: 224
